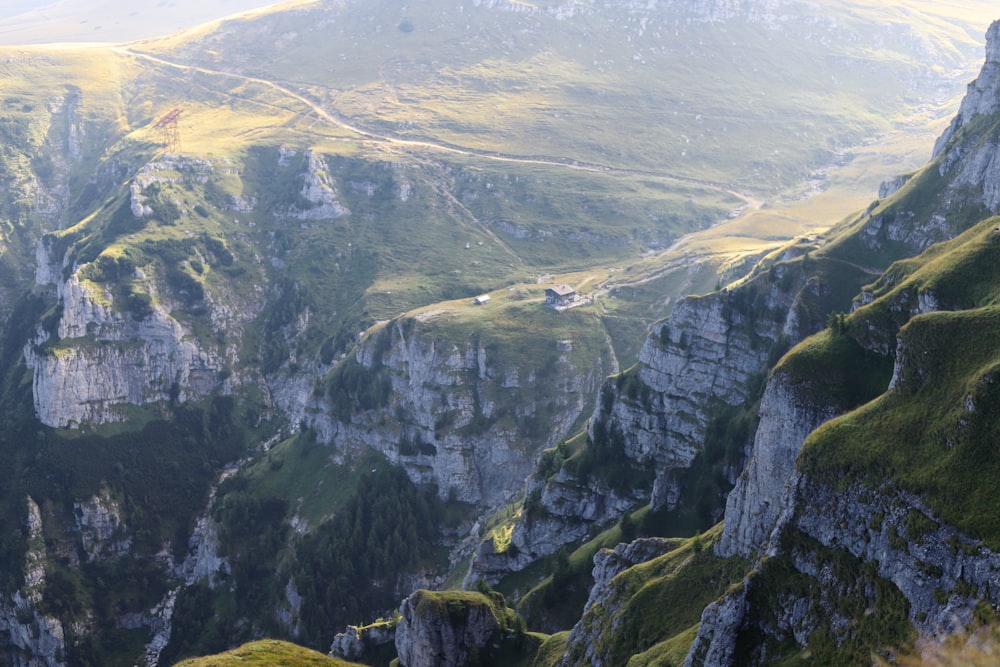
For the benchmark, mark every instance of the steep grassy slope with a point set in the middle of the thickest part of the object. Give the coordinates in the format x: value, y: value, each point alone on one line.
x: 941, y: 400
x: 265, y: 653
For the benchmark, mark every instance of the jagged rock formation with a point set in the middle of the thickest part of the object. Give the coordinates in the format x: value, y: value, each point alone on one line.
x: 904, y: 561
x: 764, y: 491
x: 355, y: 641
x: 319, y: 189
x: 97, y: 360
x: 463, y: 409
x: 702, y: 356
x: 30, y: 638
x: 128, y: 363
x: 441, y: 631
x: 583, y: 643
x: 931, y: 564
x: 980, y: 99
x: 719, y: 629
x: 103, y: 534
x: 566, y: 511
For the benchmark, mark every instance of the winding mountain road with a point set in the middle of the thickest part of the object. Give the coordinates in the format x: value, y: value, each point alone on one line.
x: 444, y: 147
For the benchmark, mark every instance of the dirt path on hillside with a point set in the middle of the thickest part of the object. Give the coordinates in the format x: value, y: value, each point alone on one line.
x: 444, y: 147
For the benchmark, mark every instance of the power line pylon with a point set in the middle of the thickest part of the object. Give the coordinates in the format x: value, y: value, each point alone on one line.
x: 168, y: 129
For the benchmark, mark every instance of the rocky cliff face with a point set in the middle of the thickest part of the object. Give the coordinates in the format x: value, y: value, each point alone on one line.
x: 467, y: 418
x: 320, y: 190
x: 103, y: 533
x: 434, y: 632
x: 105, y: 352
x: 703, y: 357
x: 29, y: 638
x: 567, y: 510
x: 355, y: 641
x: 106, y: 361
x: 764, y: 491
x: 941, y: 573
x: 584, y: 644
x: 758, y: 511
x: 980, y: 97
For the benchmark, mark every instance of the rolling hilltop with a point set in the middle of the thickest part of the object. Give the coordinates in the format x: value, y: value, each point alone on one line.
x: 246, y: 390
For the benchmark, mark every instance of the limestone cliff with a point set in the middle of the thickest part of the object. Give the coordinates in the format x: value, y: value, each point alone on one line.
x: 941, y: 572
x: 31, y: 638
x: 468, y: 416
x: 653, y: 417
x: 704, y: 355
x: 566, y: 510
x: 764, y: 490
x: 449, y: 629
x: 106, y: 361
x: 980, y: 97
x: 103, y: 533
x: 130, y: 329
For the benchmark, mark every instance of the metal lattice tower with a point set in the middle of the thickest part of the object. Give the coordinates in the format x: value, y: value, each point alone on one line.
x: 168, y: 129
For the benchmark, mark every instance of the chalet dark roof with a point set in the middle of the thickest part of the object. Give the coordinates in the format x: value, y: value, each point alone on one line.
x: 561, y: 290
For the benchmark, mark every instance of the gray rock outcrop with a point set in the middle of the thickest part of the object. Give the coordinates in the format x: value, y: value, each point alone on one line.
x: 568, y: 509
x: 702, y: 356
x: 941, y: 572
x: 28, y: 638
x: 352, y: 643
x: 972, y: 161
x: 437, y: 633
x: 107, y: 361
x: 319, y: 189
x: 715, y: 644
x: 103, y: 534
x: 765, y: 489
x: 982, y: 97
x: 462, y: 413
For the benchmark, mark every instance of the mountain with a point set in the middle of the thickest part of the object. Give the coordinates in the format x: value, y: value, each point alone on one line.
x: 863, y: 522
x: 246, y: 389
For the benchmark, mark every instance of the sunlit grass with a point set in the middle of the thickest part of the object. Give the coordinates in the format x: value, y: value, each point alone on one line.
x: 266, y: 653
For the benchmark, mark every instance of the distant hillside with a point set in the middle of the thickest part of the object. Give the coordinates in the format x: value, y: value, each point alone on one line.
x: 739, y: 95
